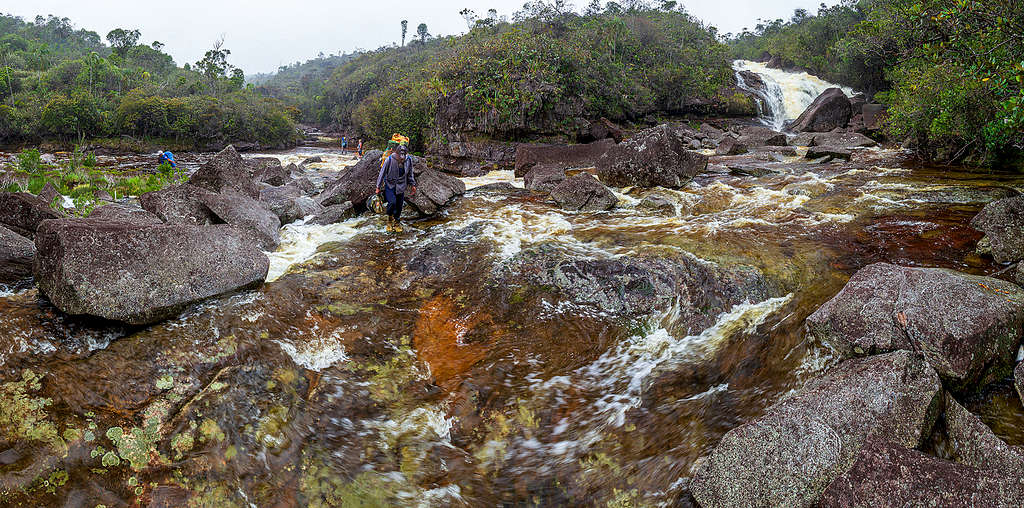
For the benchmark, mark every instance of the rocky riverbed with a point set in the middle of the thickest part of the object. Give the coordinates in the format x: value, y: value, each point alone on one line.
x: 736, y: 326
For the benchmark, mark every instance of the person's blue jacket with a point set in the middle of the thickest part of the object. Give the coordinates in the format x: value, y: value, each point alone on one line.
x: 169, y: 157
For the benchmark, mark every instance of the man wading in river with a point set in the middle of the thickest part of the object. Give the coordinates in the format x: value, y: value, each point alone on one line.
x: 396, y: 174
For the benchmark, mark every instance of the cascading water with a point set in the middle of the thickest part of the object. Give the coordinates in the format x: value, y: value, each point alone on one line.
x: 785, y: 94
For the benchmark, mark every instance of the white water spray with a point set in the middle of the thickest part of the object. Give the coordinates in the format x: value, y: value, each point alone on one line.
x: 786, y: 94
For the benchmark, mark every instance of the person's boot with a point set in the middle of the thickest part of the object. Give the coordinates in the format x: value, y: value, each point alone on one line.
x: 390, y: 227
x: 398, y: 226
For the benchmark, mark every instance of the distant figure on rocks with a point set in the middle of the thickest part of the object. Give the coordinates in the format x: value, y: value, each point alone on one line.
x: 359, y: 148
x: 396, y: 174
x: 344, y: 145
x: 168, y: 157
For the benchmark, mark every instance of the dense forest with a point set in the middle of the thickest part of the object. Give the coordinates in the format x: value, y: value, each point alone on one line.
x: 62, y: 83
x: 302, y: 84
x: 951, y: 71
x: 542, y: 73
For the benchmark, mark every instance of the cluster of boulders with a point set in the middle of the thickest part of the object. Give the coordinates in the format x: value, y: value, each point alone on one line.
x: 913, y: 341
x: 1002, y: 221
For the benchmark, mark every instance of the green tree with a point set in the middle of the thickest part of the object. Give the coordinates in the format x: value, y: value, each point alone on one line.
x: 405, y: 28
x: 122, y: 40
x: 422, y: 33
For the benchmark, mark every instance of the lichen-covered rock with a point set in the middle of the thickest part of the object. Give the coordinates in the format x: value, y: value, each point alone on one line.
x: 356, y: 184
x: 333, y: 214
x: 1002, y: 222
x: 560, y: 156
x: 16, y: 254
x: 659, y: 156
x: 1018, y: 378
x: 830, y: 110
x: 839, y: 139
x: 51, y: 195
x: 790, y: 455
x: 434, y: 190
x: 22, y: 212
x: 974, y: 444
x: 583, y: 193
x: 226, y: 170
x: 248, y: 215
x: 815, y: 152
x: 761, y: 136
x: 658, y: 203
x: 259, y: 167
x: 140, y: 274
x: 544, y: 178
x: 890, y: 475
x: 730, y: 146
x: 178, y: 204
x: 967, y: 327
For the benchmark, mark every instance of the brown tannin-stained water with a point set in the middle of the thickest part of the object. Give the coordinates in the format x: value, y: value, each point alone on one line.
x: 449, y: 367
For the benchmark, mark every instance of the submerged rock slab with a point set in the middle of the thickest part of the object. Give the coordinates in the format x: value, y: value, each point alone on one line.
x: 544, y: 178
x: 1002, y: 222
x: 659, y: 156
x: 140, y: 274
x: 890, y: 475
x: 791, y: 454
x: 16, y: 254
x: 967, y: 327
x: 975, y: 445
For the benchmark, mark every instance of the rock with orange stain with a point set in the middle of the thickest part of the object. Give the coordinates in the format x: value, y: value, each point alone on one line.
x: 438, y: 339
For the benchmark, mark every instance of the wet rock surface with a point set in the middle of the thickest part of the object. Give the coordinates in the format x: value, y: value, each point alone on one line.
x: 973, y: 443
x: 730, y: 146
x: 356, y: 184
x: 544, y: 178
x: 1003, y: 224
x: 22, y: 212
x: 761, y: 136
x: 225, y: 171
x: 830, y: 110
x: 333, y: 214
x: 582, y: 192
x: 655, y: 157
x: 109, y: 270
x: 247, y: 215
x: 967, y: 327
x: 178, y: 204
x: 16, y: 255
x: 790, y: 455
x: 560, y: 156
x: 890, y: 475
x: 1018, y: 377
x: 434, y: 190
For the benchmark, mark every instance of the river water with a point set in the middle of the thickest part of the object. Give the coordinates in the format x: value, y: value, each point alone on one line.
x: 431, y: 369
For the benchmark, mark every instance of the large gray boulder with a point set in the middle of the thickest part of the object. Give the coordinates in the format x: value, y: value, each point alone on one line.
x: 333, y: 214
x: 816, y: 152
x: 259, y: 167
x: 122, y: 213
x: 967, y: 327
x: 761, y: 136
x: 836, y: 139
x: 790, y: 455
x: 730, y: 146
x: 178, y: 204
x: 560, y: 156
x: 891, y: 475
x: 1018, y: 379
x: 226, y: 170
x: 830, y: 110
x: 583, y: 193
x: 22, y: 212
x: 16, y: 254
x: 140, y: 274
x: 655, y: 157
x: 544, y: 178
x: 289, y: 203
x: 247, y: 215
x: 972, y: 443
x: 1002, y: 222
x: 356, y: 184
x: 434, y: 190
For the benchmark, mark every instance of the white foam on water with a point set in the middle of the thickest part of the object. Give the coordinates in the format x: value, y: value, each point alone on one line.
x: 317, y: 354
x: 498, y: 176
x: 789, y: 93
x: 299, y: 243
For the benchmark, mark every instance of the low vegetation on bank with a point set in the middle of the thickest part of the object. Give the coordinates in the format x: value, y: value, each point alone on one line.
x: 951, y: 71
x: 543, y: 73
x: 62, y: 83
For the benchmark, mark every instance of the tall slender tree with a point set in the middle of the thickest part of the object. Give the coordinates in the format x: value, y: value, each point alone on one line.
x: 405, y: 28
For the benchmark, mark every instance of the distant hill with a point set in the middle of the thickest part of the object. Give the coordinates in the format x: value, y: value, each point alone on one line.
x: 300, y: 84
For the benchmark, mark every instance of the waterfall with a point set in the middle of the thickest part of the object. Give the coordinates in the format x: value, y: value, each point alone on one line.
x: 785, y: 94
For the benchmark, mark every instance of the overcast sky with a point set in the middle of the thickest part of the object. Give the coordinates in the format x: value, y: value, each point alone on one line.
x: 263, y: 35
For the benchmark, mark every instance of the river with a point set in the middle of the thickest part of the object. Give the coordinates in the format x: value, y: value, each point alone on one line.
x: 427, y: 369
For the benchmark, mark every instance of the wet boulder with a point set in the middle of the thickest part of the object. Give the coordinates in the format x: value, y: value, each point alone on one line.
x: 247, y: 215
x: 560, y: 156
x: 356, y: 184
x: 434, y: 190
x: 140, y: 274
x: 835, y: 139
x: 288, y: 203
x: 761, y: 136
x: 333, y: 214
x: 817, y: 152
x: 1002, y: 222
x: 974, y: 444
x: 117, y: 212
x: 22, y: 212
x: 830, y: 110
x: 313, y: 159
x: 225, y: 171
x: 583, y: 193
x: 279, y: 175
x: 504, y: 188
x: 658, y: 203
x: 301, y: 208
x: 178, y: 204
x: 730, y: 146
x: 790, y: 454
x: 544, y: 178
x: 51, y: 195
x: 654, y: 157
x: 887, y: 474
x: 1018, y: 380
x: 967, y: 327
x: 16, y: 254
x: 259, y: 167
